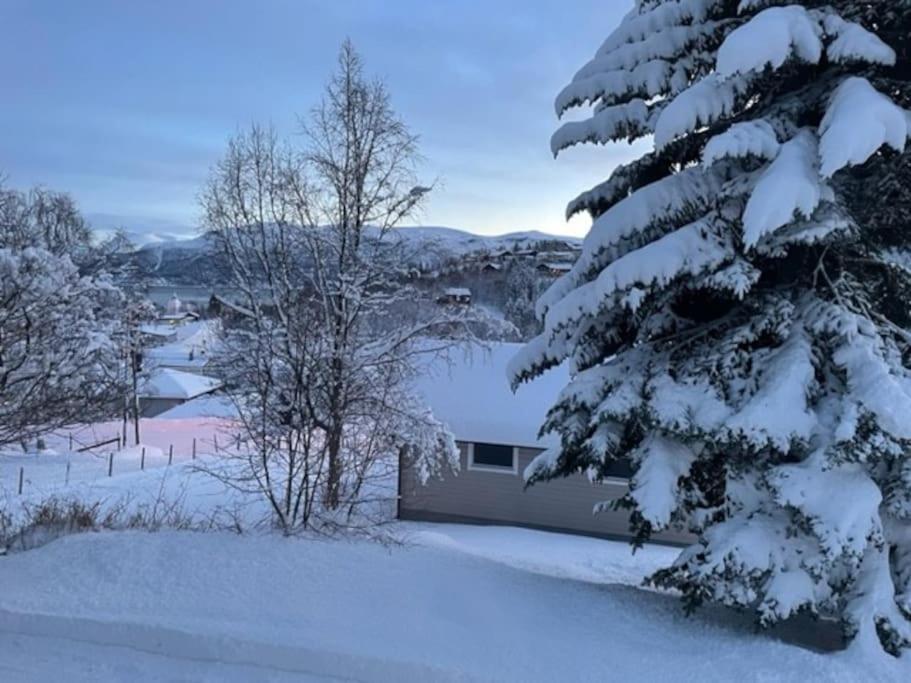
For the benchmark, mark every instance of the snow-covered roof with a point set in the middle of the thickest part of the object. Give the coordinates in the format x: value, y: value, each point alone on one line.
x: 457, y: 291
x: 469, y: 391
x: 194, y: 342
x: 169, y: 383
x: 174, y: 356
x: 177, y: 317
x: 202, y: 406
x: 165, y: 331
x: 555, y: 266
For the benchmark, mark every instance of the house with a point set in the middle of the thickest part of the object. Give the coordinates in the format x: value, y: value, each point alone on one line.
x: 459, y: 296
x: 554, y: 269
x: 491, y: 267
x: 497, y: 435
x: 166, y: 388
x: 228, y: 311
x: 189, y: 348
x: 176, y: 313
x: 155, y: 333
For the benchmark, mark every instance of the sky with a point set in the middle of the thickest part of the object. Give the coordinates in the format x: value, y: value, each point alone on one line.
x: 128, y: 104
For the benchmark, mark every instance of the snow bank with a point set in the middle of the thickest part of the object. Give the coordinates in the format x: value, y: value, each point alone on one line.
x: 324, y: 609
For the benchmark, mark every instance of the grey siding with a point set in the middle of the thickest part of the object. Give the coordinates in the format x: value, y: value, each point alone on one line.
x: 152, y: 407
x: 501, y: 498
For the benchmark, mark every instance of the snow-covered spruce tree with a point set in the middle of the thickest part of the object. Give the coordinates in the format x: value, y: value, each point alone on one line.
x: 737, y: 324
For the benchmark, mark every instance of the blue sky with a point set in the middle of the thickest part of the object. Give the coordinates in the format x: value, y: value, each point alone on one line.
x: 127, y: 104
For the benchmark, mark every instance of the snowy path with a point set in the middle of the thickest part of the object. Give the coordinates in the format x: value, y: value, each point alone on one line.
x: 93, y: 650
x: 188, y: 607
x: 39, y: 659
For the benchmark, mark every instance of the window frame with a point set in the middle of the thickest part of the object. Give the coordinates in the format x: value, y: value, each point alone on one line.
x: 474, y: 467
x: 617, y: 479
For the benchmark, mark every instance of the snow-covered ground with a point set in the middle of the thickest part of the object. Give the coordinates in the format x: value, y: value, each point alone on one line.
x: 47, y: 472
x: 443, y: 602
x: 452, y: 603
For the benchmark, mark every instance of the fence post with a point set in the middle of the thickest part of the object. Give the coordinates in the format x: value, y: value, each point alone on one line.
x: 118, y: 442
x: 111, y: 463
x: 215, y: 438
x: 142, y: 459
x: 21, y: 478
x: 194, y: 448
x: 67, y: 480
x: 170, y: 454
x: 71, y: 442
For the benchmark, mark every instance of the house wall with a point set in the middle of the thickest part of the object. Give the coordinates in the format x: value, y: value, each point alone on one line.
x: 488, y: 497
x: 152, y: 407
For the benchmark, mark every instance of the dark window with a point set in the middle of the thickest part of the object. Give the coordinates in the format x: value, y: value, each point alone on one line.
x: 620, y: 469
x: 493, y: 455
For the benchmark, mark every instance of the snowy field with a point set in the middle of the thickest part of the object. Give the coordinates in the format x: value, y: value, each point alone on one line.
x: 50, y: 471
x: 450, y: 604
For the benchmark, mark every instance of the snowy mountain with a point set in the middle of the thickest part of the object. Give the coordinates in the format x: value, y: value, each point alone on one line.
x: 437, y: 250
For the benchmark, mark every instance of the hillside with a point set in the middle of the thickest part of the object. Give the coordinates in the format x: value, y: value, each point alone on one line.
x: 435, y: 251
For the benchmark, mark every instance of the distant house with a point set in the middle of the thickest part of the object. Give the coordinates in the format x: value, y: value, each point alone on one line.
x: 156, y: 333
x: 228, y: 310
x: 497, y: 435
x: 188, y: 349
x: 491, y: 267
x: 455, y: 296
x: 559, y: 256
x: 176, y: 313
x: 554, y: 269
x: 166, y: 388
x: 177, y: 356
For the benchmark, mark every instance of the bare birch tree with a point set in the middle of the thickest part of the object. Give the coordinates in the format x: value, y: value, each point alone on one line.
x: 321, y: 366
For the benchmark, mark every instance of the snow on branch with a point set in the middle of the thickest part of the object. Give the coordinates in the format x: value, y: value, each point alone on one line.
x: 789, y: 185
x: 624, y: 121
x: 855, y: 43
x: 691, y: 406
x: 857, y: 123
x: 779, y: 412
x: 666, y: 44
x: 770, y: 38
x: 691, y: 190
x: 777, y: 34
x: 690, y: 250
x: 662, y: 462
x: 637, y: 27
x: 646, y: 81
x: 870, y: 375
x: 700, y: 105
x: 750, y: 138
x: 844, y: 524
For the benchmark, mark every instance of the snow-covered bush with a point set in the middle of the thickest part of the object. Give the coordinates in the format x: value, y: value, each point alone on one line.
x: 738, y: 324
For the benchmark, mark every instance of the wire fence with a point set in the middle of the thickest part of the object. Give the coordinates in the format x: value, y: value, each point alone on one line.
x: 87, y: 462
